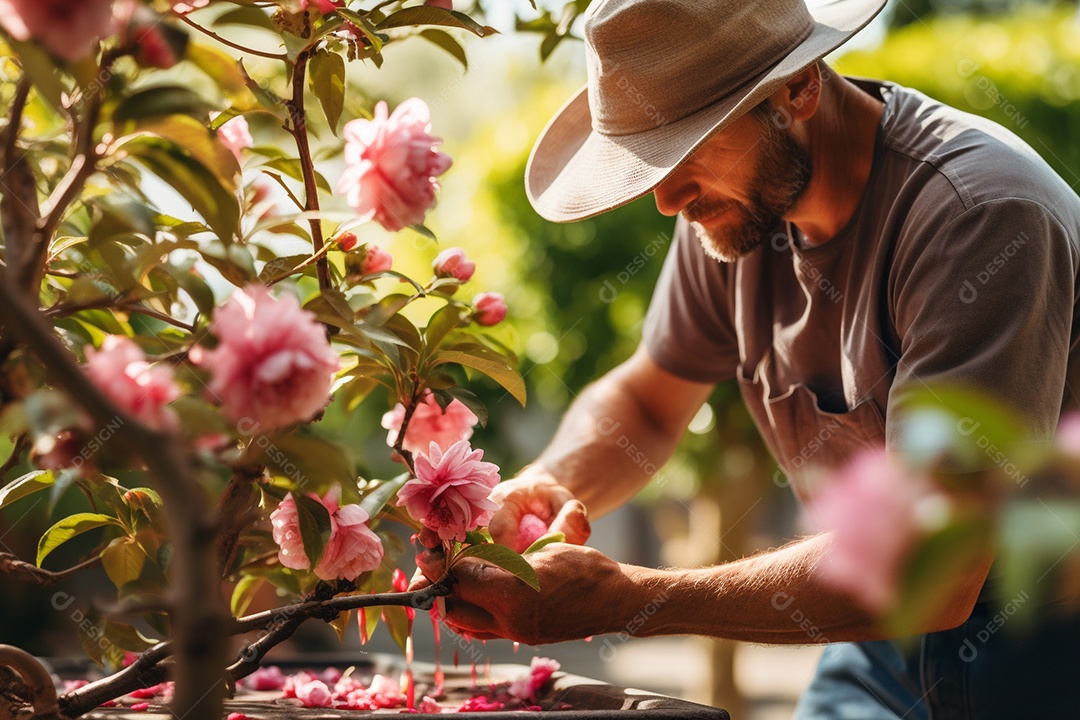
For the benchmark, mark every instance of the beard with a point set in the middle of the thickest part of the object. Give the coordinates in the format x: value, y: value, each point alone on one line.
x: 782, y: 174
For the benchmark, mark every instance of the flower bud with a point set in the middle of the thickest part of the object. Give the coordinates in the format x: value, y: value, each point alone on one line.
x: 489, y: 308
x: 346, y: 241
x: 376, y: 260
x: 453, y: 263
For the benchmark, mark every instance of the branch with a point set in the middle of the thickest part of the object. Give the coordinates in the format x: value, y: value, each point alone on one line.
x: 200, y: 617
x: 16, y: 453
x: 399, y: 443
x: 152, y: 666
x: 234, y: 512
x: 277, y: 178
x: 11, y: 134
x: 230, y: 43
x: 9, y: 563
x: 117, y: 303
x: 298, y: 129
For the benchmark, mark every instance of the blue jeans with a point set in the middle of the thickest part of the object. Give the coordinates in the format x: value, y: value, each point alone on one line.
x: 993, y: 667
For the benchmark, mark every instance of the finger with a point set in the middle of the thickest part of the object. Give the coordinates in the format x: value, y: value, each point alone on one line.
x: 418, y: 581
x: 573, y: 522
x: 429, y: 538
x: 483, y: 584
x: 468, y: 617
x: 432, y: 563
x: 504, y: 524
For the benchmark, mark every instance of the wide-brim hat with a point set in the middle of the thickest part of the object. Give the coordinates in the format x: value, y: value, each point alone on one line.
x: 664, y: 75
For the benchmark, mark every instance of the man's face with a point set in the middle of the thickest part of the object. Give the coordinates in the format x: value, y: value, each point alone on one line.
x: 738, y: 185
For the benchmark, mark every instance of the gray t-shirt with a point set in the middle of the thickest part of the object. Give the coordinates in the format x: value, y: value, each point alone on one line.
x: 959, y: 265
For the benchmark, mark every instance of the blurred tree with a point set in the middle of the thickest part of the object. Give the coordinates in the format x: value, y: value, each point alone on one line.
x: 912, y: 11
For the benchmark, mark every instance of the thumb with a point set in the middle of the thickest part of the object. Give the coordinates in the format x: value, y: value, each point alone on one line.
x: 573, y: 522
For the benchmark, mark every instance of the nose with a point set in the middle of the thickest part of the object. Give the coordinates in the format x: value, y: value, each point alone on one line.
x: 676, y: 192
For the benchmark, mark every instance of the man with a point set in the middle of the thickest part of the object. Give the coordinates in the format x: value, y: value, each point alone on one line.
x: 830, y: 238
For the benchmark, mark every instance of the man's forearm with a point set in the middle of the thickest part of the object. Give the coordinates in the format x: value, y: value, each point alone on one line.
x: 776, y: 597
x: 606, y: 447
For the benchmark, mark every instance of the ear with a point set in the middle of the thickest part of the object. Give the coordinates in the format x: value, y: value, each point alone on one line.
x: 800, y: 96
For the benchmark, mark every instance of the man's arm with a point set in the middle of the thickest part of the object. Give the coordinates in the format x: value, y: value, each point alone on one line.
x: 614, y: 437
x: 776, y: 597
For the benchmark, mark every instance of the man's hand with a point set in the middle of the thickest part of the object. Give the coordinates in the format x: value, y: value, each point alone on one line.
x: 582, y: 593
x: 535, y: 504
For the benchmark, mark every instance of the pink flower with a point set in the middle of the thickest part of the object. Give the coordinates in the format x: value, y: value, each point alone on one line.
x: 429, y: 424
x: 450, y: 493
x: 1068, y: 434
x: 352, y: 549
x: 529, y: 687
x: 183, y: 8
x: 266, y: 678
x: 376, y: 260
x: 430, y: 706
x: 67, y: 29
x: 152, y: 48
x: 391, y: 165
x: 876, y: 513
x: 489, y: 308
x: 314, y: 693
x: 120, y: 370
x: 530, y: 529
x: 453, y: 263
x: 235, y: 134
x: 273, y: 365
x: 323, y: 6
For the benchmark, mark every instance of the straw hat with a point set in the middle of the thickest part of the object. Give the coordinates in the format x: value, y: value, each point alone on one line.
x: 663, y: 75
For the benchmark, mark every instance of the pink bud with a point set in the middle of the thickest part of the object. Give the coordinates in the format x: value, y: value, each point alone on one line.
x: 346, y: 241
x: 489, y: 308
x: 376, y: 260
x: 453, y: 263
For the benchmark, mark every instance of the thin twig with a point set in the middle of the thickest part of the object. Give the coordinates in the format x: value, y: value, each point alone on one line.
x: 298, y: 128
x: 13, y: 459
x: 230, y: 43
x: 10, y: 564
x: 277, y: 178
x: 399, y: 443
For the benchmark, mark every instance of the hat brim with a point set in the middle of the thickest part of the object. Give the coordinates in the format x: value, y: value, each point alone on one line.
x: 575, y: 173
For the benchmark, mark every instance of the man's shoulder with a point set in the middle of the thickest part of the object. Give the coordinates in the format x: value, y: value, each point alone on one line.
x: 943, y: 162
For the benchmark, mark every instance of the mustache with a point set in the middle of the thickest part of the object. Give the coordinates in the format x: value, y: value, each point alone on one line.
x: 705, y: 209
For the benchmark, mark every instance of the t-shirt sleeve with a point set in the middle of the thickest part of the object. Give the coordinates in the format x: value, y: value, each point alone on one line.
x: 688, y: 329
x: 986, y: 302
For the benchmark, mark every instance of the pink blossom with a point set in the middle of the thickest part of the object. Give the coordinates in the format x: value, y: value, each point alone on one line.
x: 120, y: 370
x: 453, y: 263
x: 530, y: 529
x: 237, y: 716
x: 314, y: 694
x: 266, y: 678
x: 346, y: 241
x: 376, y: 260
x: 72, y: 685
x: 140, y: 706
x: 876, y: 513
x: 391, y: 165
x: 292, y: 682
x: 323, y: 6
x: 430, y: 424
x: 529, y: 687
x: 450, y: 493
x: 489, y: 308
x: 481, y: 703
x: 66, y: 29
x: 273, y: 364
x: 352, y: 549
x: 430, y: 706
x: 1068, y: 434
x: 235, y: 134
x: 152, y: 49
x: 383, y: 693
x: 182, y: 8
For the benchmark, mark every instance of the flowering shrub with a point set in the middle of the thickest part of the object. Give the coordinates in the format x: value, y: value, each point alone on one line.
x: 186, y: 353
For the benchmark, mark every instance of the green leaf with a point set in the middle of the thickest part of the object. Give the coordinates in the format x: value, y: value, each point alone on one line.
x: 155, y: 102
x: 444, y: 40
x: 281, y: 267
x: 91, y: 631
x: 541, y: 542
x: 469, y: 399
x: 42, y: 71
x: 68, y: 528
x: 441, y: 324
x: 126, y: 637
x: 249, y: 16
x: 341, y: 624
x: 28, y: 484
x: 293, y: 168
x: 304, y: 458
x: 370, y: 31
x: 426, y: 15
x: 244, y: 593
x: 369, y: 620
x: 225, y: 71
x: 376, y: 500
x: 505, y: 558
x: 397, y: 624
x: 123, y: 560
x: 488, y: 362
x: 327, y: 79
x: 356, y: 390
x: 314, y: 522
